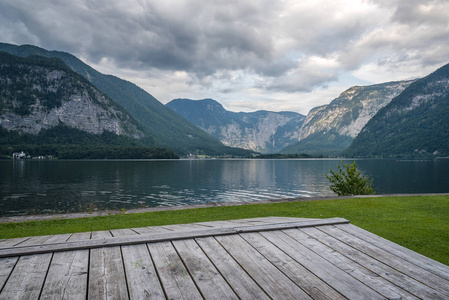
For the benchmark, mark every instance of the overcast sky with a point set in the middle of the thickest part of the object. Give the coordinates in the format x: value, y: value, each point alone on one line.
x: 248, y: 54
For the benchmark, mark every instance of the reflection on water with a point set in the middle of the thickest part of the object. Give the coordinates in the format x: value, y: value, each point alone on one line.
x: 71, y: 186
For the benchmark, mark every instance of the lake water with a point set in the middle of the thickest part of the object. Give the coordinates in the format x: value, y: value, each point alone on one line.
x: 29, y: 186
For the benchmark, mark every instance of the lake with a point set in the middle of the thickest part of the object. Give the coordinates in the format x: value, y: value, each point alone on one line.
x: 45, y: 186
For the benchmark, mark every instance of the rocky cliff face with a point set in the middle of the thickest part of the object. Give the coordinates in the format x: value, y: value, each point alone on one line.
x: 413, y: 124
x: 261, y: 131
x: 329, y: 129
x: 162, y: 126
x: 348, y: 113
x: 37, y: 94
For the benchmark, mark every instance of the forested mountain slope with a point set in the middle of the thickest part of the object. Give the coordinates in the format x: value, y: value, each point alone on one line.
x: 415, y: 123
x: 159, y: 123
x: 330, y: 129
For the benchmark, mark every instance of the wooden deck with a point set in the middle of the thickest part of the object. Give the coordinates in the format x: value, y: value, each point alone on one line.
x: 262, y: 258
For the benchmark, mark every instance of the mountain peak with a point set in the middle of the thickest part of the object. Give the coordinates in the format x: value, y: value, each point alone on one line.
x: 414, y: 123
x: 262, y: 131
x: 159, y: 123
x: 329, y: 129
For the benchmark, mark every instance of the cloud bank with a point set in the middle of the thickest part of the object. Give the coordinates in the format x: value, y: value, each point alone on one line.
x: 253, y: 54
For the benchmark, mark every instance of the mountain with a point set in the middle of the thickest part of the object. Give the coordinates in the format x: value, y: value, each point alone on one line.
x: 165, y: 127
x: 261, y: 131
x: 413, y: 124
x: 330, y: 129
x: 46, y: 109
x: 39, y: 93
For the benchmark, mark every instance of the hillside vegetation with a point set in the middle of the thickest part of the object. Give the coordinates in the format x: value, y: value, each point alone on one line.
x: 414, y: 124
x: 159, y: 123
x: 330, y: 129
x: 46, y: 109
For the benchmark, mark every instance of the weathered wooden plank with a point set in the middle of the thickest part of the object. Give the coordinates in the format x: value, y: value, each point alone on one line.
x: 283, y: 219
x: 58, y: 238
x: 67, y: 276
x: 243, y: 285
x: 345, y: 284
x: 184, y: 227
x: 269, y: 278
x: 35, y: 240
x: 216, y: 224
x: 143, y: 282
x: 6, y: 267
x: 395, y: 277
x: 269, y: 220
x: 98, y: 235
x: 207, y: 278
x: 106, y: 274
x: 371, y: 279
x: 27, y: 277
x: 8, y: 243
x: 249, y: 222
x: 122, y: 232
x: 100, y: 238
x: 436, y: 282
x: 79, y: 236
x: 299, y: 224
x: 150, y: 230
x: 174, y: 277
x: 397, y: 250
x: 311, y: 284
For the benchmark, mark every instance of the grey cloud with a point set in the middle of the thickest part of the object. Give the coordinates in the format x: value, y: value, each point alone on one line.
x: 209, y: 40
x: 194, y: 36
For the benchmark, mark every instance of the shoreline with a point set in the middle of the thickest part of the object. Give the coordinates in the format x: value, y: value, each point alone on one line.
x: 62, y: 216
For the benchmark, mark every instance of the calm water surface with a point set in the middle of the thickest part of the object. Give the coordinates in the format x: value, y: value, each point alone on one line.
x: 72, y: 186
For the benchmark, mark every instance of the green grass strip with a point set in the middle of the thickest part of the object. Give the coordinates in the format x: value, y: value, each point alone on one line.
x: 420, y: 223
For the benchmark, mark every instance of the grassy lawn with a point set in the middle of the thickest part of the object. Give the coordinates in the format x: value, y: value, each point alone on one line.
x: 420, y: 223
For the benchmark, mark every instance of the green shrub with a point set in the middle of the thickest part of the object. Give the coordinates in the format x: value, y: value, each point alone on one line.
x: 348, y: 181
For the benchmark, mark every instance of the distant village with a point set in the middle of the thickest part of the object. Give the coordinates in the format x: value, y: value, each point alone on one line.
x: 22, y: 155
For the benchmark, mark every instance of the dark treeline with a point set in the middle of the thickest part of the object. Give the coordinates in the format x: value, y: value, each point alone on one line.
x: 280, y: 156
x: 89, y: 152
x: 64, y: 142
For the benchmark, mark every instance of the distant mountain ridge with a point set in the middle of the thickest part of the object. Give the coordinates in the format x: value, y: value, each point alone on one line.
x: 413, y: 124
x: 330, y: 129
x: 159, y: 123
x: 261, y: 131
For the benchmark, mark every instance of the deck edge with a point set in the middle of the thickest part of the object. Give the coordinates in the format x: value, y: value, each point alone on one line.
x: 162, y: 237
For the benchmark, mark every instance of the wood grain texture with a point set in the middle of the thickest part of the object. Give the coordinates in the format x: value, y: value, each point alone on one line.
x: 388, y: 273
x: 79, y: 236
x: 104, y: 238
x: 358, y: 271
x: 306, y: 280
x: 341, y: 281
x: 8, y: 243
x: 207, y: 278
x: 67, y: 276
x: 399, y: 251
x: 268, y: 277
x: 27, y: 278
x: 244, y: 286
x: 174, y: 277
x: 106, y: 274
x: 262, y: 258
x: 430, y: 279
x: 6, y: 267
x: 143, y: 282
